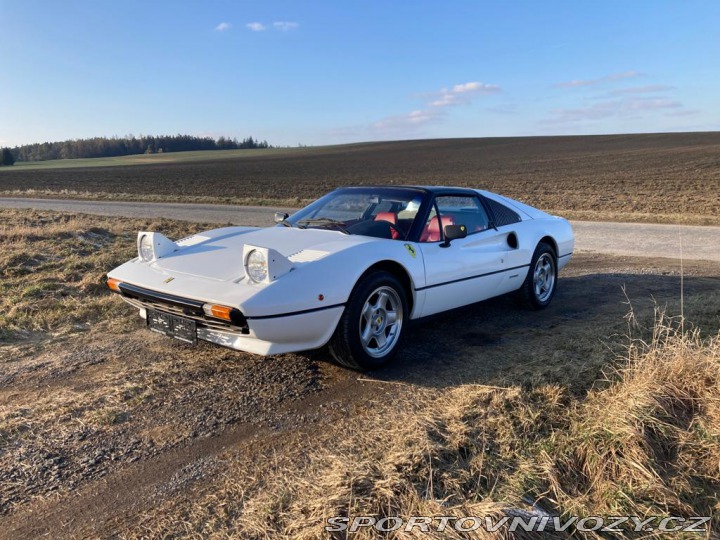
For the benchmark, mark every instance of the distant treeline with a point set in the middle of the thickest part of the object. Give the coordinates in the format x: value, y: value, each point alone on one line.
x: 125, y: 146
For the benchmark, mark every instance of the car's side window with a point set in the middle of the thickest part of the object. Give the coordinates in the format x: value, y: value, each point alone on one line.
x: 454, y: 210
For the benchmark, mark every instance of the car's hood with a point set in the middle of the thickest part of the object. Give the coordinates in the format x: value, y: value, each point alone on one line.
x: 217, y: 254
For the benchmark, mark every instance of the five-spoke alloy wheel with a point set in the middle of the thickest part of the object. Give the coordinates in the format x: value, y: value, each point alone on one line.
x: 544, y: 277
x: 370, y: 330
x: 381, y: 321
x: 541, y: 282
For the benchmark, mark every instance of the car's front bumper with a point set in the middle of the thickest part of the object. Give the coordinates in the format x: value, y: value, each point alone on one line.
x: 279, y: 335
x: 265, y: 335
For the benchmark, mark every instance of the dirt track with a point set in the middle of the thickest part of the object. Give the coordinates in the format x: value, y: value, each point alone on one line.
x: 231, y: 406
x: 626, y: 239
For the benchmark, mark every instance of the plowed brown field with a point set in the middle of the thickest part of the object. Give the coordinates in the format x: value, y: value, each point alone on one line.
x: 651, y: 177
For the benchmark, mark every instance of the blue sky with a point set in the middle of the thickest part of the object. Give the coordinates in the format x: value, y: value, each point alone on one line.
x: 325, y: 72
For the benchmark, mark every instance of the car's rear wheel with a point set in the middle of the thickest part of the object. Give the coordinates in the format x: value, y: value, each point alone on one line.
x: 541, y: 282
x: 370, y: 330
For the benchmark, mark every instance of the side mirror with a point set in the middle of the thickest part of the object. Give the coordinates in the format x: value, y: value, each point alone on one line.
x: 453, y: 232
x: 280, y: 217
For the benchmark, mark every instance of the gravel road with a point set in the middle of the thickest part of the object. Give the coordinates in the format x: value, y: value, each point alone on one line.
x: 627, y: 239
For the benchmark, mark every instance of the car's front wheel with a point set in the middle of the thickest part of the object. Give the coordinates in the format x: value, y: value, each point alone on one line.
x: 370, y: 330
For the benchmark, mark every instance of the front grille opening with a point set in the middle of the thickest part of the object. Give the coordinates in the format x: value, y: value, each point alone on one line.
x: 191, y: 313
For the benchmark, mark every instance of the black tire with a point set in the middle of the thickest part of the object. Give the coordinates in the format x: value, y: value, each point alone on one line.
x: 347, y: 346
x: 537, y: 294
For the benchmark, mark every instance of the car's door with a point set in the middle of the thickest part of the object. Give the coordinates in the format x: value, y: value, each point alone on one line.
x: 469, y: 269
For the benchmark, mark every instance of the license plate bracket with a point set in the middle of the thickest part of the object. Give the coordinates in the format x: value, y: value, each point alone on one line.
x: 172, y: 326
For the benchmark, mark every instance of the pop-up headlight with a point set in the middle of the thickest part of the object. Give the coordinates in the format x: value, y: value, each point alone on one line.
x: 153, y: 245
x: 264, y: 265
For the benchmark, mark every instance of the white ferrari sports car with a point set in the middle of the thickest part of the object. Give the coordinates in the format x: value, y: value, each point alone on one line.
x: 348, y: 271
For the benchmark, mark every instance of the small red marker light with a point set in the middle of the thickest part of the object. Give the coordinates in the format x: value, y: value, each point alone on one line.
x: 321, y: 297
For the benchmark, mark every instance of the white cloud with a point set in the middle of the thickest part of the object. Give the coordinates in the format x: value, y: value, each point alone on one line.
x: 285, y: 25
x: 592, y: 82
x: 691, y: 112
x: 650, y: 89
x: 411, y: 121
x: 626, y: 107
x: 223, y: 26
x: 461, y: 93
x: 433, y: 111
x: 474, y: 87
x: 623, y: 75
x: 629, y: 102
x: 390, y: 127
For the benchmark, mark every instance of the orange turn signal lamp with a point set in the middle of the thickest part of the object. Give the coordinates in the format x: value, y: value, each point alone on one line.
x: 114, y: 284
x: 226, y: 313
x: 217, y: 311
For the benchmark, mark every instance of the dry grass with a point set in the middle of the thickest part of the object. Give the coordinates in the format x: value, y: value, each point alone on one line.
x: 650, y: 443
x: 76, y: 403
x: 53, y: 267
x: 288, y: 202
x: 645, y: 442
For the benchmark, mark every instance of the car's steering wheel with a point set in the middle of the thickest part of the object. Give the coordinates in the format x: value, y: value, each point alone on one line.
x: 395, y: 228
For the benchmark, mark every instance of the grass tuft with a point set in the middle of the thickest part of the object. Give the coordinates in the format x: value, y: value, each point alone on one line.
x: 645, y: 443
x: 650, y: 443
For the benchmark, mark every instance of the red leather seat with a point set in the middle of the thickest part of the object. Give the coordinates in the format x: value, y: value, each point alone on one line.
x: 431, y: 233
x: 390, y: 217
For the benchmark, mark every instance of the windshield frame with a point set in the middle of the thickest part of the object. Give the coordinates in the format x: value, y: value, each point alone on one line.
x: 390, y: 191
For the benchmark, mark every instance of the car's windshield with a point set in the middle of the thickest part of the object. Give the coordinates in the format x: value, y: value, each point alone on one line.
x: 379, y: 212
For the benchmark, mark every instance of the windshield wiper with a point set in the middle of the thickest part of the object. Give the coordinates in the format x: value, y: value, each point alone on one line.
x: 339, y: 225
x: 286, y: 223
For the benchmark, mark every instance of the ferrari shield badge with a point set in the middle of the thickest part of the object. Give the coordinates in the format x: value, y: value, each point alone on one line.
x: 411, y: 250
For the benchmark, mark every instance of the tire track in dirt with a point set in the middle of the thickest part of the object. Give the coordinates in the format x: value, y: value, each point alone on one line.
x: 97, y: 507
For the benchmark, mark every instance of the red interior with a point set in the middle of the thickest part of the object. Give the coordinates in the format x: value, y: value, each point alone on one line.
x: 392, y: 218
x: 431, y: 233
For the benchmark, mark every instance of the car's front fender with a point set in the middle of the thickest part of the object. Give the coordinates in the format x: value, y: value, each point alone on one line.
x: 329, y: 281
